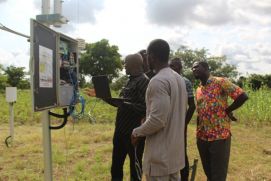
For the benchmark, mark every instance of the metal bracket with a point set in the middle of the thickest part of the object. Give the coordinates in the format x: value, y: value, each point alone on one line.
x: 52, y: 19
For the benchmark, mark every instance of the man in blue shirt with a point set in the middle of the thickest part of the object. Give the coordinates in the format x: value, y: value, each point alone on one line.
x: 176, y: 65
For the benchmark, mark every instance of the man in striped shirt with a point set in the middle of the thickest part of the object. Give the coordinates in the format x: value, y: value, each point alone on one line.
x: 129, y: 116
x: 176, y: 65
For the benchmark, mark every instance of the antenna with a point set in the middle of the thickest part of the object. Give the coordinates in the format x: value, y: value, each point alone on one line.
x: 45, y: 7
x: 56, y: 18
x: 58, y: 10
x: 58, y: 6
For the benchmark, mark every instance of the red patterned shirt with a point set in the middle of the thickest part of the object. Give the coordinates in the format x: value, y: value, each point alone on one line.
x: 213, y: 122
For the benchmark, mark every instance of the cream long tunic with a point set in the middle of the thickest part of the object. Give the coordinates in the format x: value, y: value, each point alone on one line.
x: 166, y: 100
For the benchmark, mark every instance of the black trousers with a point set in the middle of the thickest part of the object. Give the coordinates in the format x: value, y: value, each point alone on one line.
x: 121, y: 147
x: 185, y: 171
x: 215, y: 158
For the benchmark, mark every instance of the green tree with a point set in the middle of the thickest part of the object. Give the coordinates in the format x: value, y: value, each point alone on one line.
x: 3, y: 78
x: 119, y: 83
x: 255, y: 81
x: 267, y: 80
x: 24, y: 84
x: 2, y: 70
x: 14, y: 75
x: 189, y: 56
x: 3, y: 82
x: 219, y: 67
x: 82, y: 81
x: 101, y: 58
x: 241, y: 81
x: 218, y: 64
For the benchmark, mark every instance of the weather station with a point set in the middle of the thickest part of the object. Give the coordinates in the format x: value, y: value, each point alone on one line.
x: 54, y: 66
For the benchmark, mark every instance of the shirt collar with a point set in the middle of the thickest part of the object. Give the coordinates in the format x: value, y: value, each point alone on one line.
x: 209, y: 81
x: 131, y: 77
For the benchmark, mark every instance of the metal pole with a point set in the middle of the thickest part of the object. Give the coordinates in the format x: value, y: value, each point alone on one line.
x: 47, y: 150
x: 11, y: 121
x: 46, y: 133
x: 194, y: 170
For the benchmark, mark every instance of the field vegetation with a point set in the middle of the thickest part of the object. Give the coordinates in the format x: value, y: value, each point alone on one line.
x: 82, y: 149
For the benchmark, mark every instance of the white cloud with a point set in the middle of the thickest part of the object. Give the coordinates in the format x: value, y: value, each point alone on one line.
x: 248, y: 57
x: 216, y: 13
x: 5, y: 56
x: 18, y: 59
x: 240, y: 29
x: 254, y: 68
x: 171, y: 12
x: 208, y: 12
x: 82, y: 11
x: 77, y: 12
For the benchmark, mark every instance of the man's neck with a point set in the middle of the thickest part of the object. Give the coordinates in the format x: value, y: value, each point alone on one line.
x: 204, y: 79
x: 135, y: 75
x: 159, y: 67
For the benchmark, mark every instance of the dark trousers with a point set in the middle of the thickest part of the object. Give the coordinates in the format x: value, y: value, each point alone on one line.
x: 121, y: 147
x: 185, y: 171
x: 215, y: 158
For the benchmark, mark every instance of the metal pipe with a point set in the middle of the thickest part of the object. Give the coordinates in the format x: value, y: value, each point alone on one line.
x: 47, y: 150
x: 11, y: 121
x: 46, y: 132
x: 2, y: 27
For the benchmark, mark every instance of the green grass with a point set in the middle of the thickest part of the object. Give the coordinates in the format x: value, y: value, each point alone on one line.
x: 256, y: 111
x: 82, y: 151
x: 23, y: 113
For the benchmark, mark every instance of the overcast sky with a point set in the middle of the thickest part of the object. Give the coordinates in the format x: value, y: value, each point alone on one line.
x: 239, y: 29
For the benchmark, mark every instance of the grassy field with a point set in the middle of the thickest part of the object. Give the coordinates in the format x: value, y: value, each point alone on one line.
x: 82, y: 151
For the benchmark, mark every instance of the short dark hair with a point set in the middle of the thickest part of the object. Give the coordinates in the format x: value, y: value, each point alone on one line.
x: 204, y: 64
x: 142, y: 52
x: 176, y: 60
x: 160, y: 49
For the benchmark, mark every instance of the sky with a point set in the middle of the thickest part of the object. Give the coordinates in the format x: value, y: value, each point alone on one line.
x: 239, y: 29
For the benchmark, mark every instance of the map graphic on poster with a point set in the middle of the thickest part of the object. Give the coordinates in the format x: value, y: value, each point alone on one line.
x: 45, y: 67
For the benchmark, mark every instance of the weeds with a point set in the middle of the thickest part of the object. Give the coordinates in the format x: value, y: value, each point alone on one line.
x: 82, y: 151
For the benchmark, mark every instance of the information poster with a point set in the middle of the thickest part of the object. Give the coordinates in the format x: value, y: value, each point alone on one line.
x: 45, y: 67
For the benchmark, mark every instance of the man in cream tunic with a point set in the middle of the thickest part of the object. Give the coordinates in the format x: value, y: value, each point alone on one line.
x: 166, y: 101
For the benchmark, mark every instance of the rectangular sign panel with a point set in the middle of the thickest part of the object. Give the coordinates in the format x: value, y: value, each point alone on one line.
x: 43, y: 66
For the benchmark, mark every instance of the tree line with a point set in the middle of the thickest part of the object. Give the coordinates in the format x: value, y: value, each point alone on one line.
x: 100, y: 58
x: 14, y: 77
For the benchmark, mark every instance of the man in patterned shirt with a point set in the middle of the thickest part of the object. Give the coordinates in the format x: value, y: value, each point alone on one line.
x: 213, y: 121
x: 176, y: 65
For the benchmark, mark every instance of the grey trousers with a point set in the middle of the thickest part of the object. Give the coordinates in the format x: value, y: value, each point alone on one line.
x: 171, y: 177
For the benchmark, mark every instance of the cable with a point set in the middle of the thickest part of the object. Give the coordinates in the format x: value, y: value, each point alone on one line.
x: 12, y: 31
x: 78, y: 115
x: 90, y: 112
x: 66, y: 154
x: 76, y: 97
x: 137, y: 165
x: 8, y: 141
x: 64, y: 116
